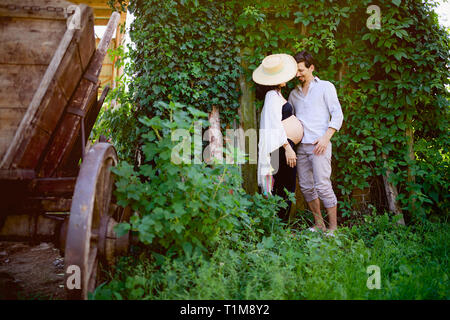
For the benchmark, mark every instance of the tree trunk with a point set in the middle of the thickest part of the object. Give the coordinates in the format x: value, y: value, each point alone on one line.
x: 391, y: 194
x: 215, y: 135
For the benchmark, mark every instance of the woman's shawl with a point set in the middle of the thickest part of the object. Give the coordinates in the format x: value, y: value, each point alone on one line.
x: 271, y: 133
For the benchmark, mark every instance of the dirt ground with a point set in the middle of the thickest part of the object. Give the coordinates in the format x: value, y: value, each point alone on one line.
x: 31, y: 271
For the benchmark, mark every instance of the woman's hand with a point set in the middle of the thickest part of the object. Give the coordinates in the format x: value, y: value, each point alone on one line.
x: 291, y: 157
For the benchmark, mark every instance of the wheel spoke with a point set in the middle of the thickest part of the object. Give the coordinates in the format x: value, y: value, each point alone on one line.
x: 92, y: 261
x: 107, y: 186
x: 94, y: 235
x: 93, y: 276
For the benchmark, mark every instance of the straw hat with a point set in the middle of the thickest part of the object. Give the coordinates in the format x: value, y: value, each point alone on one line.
x: 275, y: 69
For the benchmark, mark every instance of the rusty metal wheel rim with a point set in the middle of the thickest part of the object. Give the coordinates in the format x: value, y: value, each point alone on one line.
x: 90, y: 203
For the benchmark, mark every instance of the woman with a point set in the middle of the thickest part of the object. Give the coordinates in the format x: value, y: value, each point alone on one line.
x: 280, y: 130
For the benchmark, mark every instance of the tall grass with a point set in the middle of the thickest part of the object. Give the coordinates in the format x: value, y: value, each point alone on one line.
x: 289, y: 264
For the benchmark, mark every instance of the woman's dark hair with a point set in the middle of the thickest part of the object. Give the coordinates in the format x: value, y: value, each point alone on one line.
x: 305, y: 57
x: 262, y: 90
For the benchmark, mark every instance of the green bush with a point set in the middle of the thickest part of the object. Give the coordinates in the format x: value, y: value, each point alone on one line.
x: 183, y: 206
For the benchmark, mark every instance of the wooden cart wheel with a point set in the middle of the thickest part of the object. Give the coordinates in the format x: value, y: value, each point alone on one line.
x: 90, y: 237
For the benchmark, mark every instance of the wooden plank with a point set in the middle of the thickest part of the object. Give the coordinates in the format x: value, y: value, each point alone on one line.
x: 62, y: 141
x: 93, y: 3
x: 53, y: 107
x: 25, y: 130
x: 41, y: 3
x: 92, y: 115
x: 65, y: 136
x: 32, y: 150
x: 10, y: 118
x: 19, y: 10
x: 17, y: 174
x: 103, y: 46
x: 101, y: 21
x: 96, y: 3
x: 69, y: 71
x: 27, y: 133
x: 97, y: 60
x: 86, y: 45
x: 102, y: 12
x: 53, y: 187
x: 29, y: 41
x: 5, y: 141
x: 18, y: 84
x: 35, y: 205
x: 69, y: 163
x: 56, y: 205
x: 45, y: 122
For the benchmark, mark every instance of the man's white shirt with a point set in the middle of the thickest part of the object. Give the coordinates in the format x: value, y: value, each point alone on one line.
x: 318, y: 110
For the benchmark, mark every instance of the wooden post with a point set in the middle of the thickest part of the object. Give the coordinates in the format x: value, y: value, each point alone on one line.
x: 411, y: 156
x: 248, y: 121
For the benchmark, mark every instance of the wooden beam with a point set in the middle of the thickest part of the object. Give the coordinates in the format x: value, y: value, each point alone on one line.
x: 248, y: 117
x: 51, y: 187
x: 92, y: 3
x: 16, y: 174
x: 102, y: 12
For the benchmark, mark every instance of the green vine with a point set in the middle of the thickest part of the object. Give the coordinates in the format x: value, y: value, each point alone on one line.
x: 391, y: 81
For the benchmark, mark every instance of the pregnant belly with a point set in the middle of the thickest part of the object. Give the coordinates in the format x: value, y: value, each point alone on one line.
x: 293, y: 128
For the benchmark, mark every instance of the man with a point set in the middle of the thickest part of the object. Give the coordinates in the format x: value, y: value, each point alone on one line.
x: 315, y: 102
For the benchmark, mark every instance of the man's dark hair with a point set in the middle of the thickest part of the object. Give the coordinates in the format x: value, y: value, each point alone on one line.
x: 305, y: 57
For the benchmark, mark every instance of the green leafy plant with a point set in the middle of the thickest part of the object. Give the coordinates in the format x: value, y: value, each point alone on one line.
x: 182, y: 206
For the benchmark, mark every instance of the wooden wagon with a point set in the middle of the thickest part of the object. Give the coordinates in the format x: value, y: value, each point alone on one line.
x: 51, y: 188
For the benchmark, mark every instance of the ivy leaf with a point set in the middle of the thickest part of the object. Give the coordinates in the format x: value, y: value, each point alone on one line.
x: 122, y: 228
x: 397, y: 2
x: 197, y: 113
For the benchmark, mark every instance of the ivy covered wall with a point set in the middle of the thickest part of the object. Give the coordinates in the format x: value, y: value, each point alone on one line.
x: 391, y: 81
